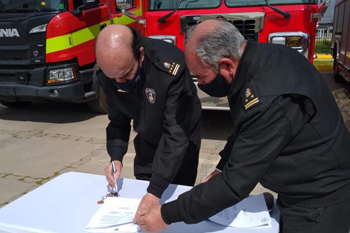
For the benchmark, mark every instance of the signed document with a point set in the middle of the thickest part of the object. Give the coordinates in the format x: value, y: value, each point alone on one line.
x: 116, y: 214
x: 250, y: 212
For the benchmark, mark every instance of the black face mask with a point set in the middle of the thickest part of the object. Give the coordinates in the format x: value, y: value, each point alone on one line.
x: 219, y: 87
x: 130, y: 84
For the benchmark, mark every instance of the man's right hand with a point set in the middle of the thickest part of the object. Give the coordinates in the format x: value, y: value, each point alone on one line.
x: 109, y: 173
x: 211, y: 175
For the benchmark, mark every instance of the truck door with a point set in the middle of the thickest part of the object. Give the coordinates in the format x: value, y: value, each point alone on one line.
x: 344, y: 31
x: 345, y: 46
x: 84, y: 25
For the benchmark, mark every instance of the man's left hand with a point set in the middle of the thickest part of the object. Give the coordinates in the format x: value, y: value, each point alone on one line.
x: 147, y: 201
x: 151, y: 221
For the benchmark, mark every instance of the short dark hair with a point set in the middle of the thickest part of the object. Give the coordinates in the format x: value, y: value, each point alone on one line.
x: 136, y: 43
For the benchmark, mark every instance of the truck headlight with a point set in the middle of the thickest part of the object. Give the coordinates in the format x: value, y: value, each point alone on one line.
x: 297, y: 40
x: 166, y: 38
x: 61, y: 75
x: 41, y: 28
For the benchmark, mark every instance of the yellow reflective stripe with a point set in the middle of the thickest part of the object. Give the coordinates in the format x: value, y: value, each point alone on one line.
x: 73, y: 39
x: 58, y: 43
x: 125, y: 20
x: 87, y: 34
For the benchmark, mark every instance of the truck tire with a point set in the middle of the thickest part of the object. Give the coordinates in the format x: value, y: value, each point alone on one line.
x: 17, y: 104
x: 99, y: 104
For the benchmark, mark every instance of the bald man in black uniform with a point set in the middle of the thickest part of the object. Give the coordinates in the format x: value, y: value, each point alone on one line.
x: 147, y: 81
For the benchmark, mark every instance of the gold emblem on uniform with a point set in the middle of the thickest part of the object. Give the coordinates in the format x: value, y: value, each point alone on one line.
x: 171, y: 68
x: 174, y: 68
x: 251, y: 103
x: 248, y: 92
x: 250, y: 100
x: 167, y: 65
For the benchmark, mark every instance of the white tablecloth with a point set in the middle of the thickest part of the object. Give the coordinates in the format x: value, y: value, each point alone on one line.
x: 67, y: 203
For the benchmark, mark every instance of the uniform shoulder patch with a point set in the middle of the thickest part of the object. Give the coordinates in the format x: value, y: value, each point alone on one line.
x: 172, y: 68
x: 251, y: 96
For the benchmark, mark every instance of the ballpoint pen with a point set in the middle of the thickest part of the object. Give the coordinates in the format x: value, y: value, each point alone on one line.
x: 114, y: 192
x: 115, y: 188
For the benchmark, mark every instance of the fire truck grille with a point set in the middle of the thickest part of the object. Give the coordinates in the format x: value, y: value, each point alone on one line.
x: 7, y: 91
x: 14, y: 55
x: 36, y: 38
x: 249, y: 24
x: 246, y: 28
x: 7, y: 79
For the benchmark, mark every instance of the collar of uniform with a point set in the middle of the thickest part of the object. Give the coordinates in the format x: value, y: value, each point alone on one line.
x: 148, y: 48
x: 242, y: 69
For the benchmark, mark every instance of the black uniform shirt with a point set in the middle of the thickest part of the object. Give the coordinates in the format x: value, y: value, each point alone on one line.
x: 288, y: 134
x: 165, y: 110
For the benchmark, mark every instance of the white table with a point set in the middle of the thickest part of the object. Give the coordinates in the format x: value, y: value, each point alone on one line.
x: 67, y: 203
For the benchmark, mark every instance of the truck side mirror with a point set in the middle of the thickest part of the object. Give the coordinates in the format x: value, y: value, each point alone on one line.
x: 86, y: 4
x: 133, y: 16
x: 78, y: 11
x: 323, y: 8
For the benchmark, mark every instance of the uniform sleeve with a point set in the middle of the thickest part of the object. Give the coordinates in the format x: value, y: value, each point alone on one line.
x: 175, y: 139
x: 118, y: 129
x: 265, y: 133
x: 118, y: 133
x: 225, y: 153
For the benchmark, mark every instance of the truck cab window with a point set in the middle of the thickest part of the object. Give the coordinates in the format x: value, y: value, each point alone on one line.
x: 185, y: 4
x: 77, y: 3
x: 35, y: 5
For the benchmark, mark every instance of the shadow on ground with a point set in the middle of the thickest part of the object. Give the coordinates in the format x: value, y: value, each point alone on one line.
x: 48, y: 113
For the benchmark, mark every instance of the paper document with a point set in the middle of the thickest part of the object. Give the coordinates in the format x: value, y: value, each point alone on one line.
x: 250, y: 212
x: 116, y: 214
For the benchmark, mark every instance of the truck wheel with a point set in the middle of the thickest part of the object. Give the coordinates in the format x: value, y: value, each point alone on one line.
x: 17, y: 104
x: 100, y: 103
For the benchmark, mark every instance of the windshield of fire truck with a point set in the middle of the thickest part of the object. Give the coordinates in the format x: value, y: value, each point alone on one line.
x: 31, y: 5
x: 185, y: 4
x: 235, y: 3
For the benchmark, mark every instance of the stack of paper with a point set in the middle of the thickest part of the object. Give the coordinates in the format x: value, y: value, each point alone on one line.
x: 116, y: 214
x: 250, y: 212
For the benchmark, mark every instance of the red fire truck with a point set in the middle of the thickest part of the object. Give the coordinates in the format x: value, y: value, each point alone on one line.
x: 47, y: 51
x: 341, y: 40
x: 288, y: 22
x: 47, y: 46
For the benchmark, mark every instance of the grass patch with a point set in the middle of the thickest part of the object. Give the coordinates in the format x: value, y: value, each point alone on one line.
x: 323, y: 46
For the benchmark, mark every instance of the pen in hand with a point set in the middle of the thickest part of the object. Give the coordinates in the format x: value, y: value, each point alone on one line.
x: 115, y: 188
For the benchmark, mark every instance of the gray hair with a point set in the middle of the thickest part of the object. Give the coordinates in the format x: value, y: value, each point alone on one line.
x: 224, y: 41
